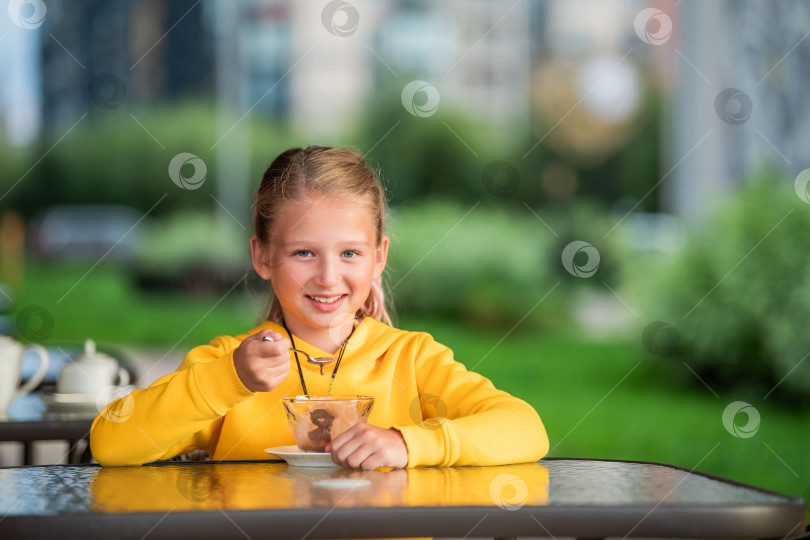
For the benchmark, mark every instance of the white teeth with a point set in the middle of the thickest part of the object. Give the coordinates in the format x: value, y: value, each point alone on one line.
x: 326, y: 300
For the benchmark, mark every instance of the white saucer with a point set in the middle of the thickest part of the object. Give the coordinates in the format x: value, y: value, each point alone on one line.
x: 297, y: 457
x: 71, y: 402
x: 74, y: 399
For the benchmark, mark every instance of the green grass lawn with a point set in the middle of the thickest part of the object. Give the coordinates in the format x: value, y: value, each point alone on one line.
x: 106, y: 306
x: 608, y: 399
x: 599, y: 398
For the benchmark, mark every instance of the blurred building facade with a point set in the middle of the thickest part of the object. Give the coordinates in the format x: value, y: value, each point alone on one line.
x: 101, y: 53
x: 740, y: 101
x: 476, y: 54
x: 283, y: 62
x: 319, y: 64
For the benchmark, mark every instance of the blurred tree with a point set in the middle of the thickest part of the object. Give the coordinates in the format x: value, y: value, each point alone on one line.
x: 737, y: 297
x: 421, y: 157
x: 124, y: 159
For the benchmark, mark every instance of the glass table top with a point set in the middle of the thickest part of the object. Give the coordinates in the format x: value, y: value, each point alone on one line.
x: 207, y: 486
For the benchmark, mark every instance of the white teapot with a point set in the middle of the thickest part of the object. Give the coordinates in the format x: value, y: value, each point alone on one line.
x: 90, y: 373
x: 11, y: 355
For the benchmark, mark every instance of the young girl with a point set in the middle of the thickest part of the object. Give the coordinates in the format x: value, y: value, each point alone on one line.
x: 319, y: 221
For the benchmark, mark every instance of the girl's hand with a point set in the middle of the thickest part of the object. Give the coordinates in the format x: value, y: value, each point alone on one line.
x: 262, y: 365
x: 369, y: 447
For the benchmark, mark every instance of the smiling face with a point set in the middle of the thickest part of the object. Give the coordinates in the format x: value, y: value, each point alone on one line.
x: 322, y: 258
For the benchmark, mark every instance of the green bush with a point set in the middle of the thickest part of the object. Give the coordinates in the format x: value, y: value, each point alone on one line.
x: 480, y: 264
x: 738, y: 295
x: 189, y: 237
x: 122, y: 157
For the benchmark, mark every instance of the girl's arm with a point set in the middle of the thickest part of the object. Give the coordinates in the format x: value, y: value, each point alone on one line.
x: 178, y: 413
x: 466, y: 420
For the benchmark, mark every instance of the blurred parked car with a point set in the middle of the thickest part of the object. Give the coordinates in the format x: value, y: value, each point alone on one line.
x: 86, y: 232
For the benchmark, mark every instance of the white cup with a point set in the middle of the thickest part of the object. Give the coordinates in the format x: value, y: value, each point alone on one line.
x: 11, y: 356
x: 91, y: 373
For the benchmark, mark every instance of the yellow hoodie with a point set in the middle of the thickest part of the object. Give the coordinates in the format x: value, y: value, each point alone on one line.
x: 446, y: 414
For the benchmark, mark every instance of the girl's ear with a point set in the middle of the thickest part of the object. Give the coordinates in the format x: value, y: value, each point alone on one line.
x: 381, y: 257
x: 260, y: 256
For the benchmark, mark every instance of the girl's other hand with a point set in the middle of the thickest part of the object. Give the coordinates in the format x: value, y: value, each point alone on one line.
x: 369, y: 447
x: 262, y: 364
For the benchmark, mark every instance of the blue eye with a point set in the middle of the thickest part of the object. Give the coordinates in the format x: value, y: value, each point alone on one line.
x: 350, y: 254
x: 302, y: 253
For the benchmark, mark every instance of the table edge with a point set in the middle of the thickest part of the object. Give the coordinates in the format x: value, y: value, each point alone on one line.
x: 753, y: 521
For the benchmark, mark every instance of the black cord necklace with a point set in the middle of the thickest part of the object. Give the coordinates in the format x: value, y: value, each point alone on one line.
x: 298, y: 362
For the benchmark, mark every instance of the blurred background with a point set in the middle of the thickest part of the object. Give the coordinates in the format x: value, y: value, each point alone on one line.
x: 602, y: 205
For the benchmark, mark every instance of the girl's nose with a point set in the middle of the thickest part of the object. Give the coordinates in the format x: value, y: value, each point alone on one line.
x: 327, y: 274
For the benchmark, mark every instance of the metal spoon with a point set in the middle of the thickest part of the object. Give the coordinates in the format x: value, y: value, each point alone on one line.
x: 321, y: 361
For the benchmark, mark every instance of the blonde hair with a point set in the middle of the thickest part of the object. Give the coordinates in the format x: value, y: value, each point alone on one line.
x: 298, y: 172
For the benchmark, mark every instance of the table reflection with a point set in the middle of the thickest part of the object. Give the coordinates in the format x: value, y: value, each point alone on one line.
x: 245, y: 486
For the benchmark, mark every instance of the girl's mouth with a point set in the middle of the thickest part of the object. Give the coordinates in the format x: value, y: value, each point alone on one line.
x: 326, y: 303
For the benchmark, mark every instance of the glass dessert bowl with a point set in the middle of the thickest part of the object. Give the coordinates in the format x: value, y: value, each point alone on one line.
x: 316, y: 420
